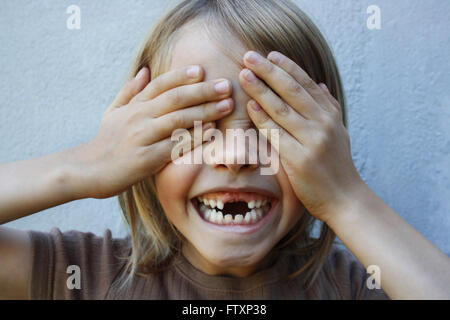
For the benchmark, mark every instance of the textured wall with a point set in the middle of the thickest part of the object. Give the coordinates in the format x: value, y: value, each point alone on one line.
x: 56, y: 83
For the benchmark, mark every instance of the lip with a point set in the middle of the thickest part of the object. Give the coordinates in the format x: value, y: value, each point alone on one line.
x: 238, y: 229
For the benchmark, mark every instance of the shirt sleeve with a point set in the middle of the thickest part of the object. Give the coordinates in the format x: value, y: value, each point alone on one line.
x: 351, y: 277
x: 74, y: 264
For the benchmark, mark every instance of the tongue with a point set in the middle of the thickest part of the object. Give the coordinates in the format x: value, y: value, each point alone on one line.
x: 235, y: 208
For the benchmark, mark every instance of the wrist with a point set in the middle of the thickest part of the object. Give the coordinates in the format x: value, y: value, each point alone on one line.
x: 71, y: 174
x: 352, y: 206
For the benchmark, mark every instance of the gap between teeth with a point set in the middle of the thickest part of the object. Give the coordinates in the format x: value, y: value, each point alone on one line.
x: 219, y: 204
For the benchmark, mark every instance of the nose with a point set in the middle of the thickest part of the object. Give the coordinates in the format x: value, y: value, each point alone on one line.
x: 236, y: 168
x: 240, y: 151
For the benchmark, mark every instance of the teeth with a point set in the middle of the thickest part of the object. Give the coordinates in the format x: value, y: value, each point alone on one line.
x: 213, y: 216
x: 220, y: 205
x: 207, y: 208
x: 203, y: 208
x: 238, y: 218
x: 208, y: 214
x: 219, y: 217
x: 228, y: 218
x: 248, y: 218
x: 258, y: 213
x: 254, y: 217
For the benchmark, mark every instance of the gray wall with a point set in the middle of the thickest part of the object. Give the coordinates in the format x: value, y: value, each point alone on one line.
x: 56, y: 83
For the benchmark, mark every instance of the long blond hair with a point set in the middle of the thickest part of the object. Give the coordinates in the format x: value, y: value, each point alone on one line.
x: 262, y: 26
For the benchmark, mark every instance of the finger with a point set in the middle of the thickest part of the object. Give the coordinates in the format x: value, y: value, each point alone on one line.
x: 284, y: 85
x: 132, y: 88
x: 197, y: 136
x: 301, y: 76
x: 330, y: 97
x: 170, y: 80
x: 278, y: 110
x: 170, y: 149
x: 263, y: 121
x: 190, y: 95
x: 166, y: 124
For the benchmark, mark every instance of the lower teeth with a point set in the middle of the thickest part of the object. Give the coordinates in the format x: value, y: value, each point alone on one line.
x: 217, y: 217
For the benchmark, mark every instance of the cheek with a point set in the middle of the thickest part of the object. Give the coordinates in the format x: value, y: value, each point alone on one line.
x: 172, y: 185
x: 292, y: 206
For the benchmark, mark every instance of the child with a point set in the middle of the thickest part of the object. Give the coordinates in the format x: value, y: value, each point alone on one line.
x: 219, y: 230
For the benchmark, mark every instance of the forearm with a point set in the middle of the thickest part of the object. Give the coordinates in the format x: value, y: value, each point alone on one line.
x: 411, y: 266
x: 33, y: 185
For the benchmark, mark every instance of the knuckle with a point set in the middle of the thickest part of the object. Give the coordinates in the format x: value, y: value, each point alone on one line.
x: 294, y: 88
x: 308, y: 83
x: 156, y: 85
x: 335, y: 113
x: 261, y: 89
x: 268, y: 67
x: 177, y: 120
x: 204, y: 111
x: 176, y: 96
x: 334, y: 101
x: 321, y: 143
x: 282, y: 134
x: 136, y: 134
x: 282, y: 109
x: 307, y: 162
x: 134, y: 116
x: 210, y: 109
x: 264, y: 123
x: 328, y: 124
x: 206, y: 90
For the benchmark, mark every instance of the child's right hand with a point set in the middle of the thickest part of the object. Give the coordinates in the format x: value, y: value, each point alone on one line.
x: 134, y: 138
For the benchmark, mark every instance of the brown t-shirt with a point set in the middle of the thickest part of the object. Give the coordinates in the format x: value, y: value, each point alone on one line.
x: 100, y: 261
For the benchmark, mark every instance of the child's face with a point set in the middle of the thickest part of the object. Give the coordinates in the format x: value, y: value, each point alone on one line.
x: 221, y: 248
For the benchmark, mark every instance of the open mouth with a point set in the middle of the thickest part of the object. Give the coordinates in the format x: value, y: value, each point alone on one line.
x: 225, y: 208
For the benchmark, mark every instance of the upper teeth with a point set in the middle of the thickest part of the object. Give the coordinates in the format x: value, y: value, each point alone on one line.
x: 216, y: 216
x: 219, y: 204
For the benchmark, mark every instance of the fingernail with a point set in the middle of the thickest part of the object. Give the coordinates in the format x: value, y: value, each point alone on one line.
x: 222, y: 87
x: 255, y: 105
x: 274, y: 57
x: 193, y: 72
x: 249, y: 76
x: 223, y: 105
x: 207, y: 125
x: 140, y: 74
x: 253, y: 57
x: 324, y: 87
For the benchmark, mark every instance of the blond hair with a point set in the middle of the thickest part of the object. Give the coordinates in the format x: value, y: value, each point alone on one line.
x: 261, y: 26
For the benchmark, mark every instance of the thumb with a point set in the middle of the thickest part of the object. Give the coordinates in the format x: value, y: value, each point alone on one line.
x: 132, y: 88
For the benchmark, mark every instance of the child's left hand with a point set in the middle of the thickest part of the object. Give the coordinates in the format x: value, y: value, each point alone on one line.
x: 314, y: 145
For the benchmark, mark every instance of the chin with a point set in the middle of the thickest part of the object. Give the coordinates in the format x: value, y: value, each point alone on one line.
x: 235, y: 256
